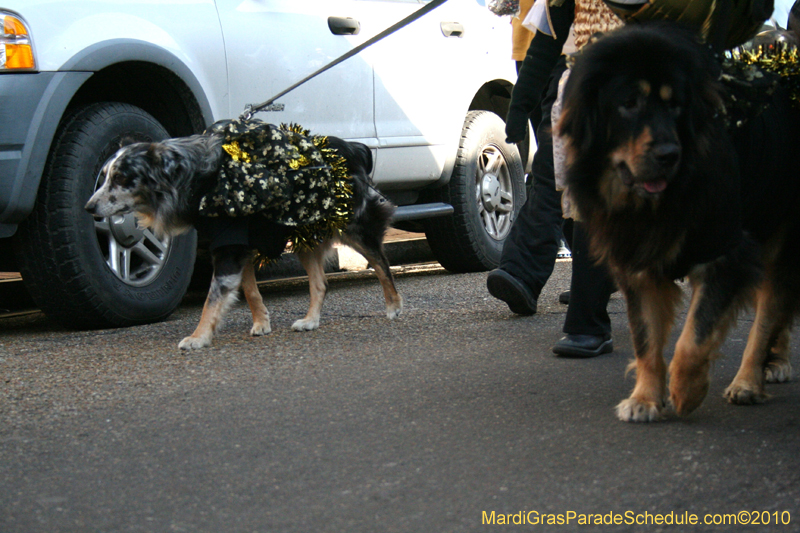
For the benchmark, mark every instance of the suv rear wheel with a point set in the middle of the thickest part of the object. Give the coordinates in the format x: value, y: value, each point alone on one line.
x: 486, y: 190
x: 85, y: 272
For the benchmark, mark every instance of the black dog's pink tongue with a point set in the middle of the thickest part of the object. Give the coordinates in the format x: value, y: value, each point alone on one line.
x: 654, y: 186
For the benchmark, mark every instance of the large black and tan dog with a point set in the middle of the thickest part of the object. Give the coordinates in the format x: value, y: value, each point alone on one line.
x: 165, y: 183
x: 669, y: 189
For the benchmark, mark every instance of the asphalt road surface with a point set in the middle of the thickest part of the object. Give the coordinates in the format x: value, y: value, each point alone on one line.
x: 450, y: 417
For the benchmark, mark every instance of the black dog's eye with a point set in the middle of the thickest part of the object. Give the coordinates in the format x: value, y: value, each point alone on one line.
x: 631, y: 106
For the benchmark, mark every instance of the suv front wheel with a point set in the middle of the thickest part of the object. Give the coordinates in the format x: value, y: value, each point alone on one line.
x: 486, y: 190
x: 85, y: 272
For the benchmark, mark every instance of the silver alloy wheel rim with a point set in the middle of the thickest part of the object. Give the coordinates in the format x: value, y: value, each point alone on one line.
x: 495, y: 193
x: 135, y: 255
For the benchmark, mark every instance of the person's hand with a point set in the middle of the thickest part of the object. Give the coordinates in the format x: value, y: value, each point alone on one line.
x: 516, y: 126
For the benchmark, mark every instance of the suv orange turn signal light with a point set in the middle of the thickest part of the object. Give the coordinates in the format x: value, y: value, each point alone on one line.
x: 16, y: 51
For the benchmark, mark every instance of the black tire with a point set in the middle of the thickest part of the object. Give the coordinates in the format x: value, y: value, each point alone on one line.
x: 486, y: 190
x: 65, y: 255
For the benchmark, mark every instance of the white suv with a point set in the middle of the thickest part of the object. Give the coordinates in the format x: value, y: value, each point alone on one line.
x: 76, y: 77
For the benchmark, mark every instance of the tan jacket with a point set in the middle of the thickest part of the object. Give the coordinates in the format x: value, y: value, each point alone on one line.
x: 520, y: 36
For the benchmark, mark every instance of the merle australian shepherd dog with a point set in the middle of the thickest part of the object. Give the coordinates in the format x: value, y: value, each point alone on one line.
x: 162, y: 184
x: 669, y: 189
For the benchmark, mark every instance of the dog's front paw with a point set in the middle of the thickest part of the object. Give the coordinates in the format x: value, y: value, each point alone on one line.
x: 743, y: 393
x: 193, y: 343
x: 635, y: 410
x: 262, y: 328
x: 687, y: 390
x: 778, y: 371
x: 394, y: 309
x: 306, y: 324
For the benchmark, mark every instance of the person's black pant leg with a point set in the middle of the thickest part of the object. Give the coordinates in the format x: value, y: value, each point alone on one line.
x: 590, y: 289
x: 530, y: 250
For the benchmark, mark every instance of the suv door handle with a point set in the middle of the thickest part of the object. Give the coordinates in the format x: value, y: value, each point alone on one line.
x: 344, y: 26
x: 452, y: 29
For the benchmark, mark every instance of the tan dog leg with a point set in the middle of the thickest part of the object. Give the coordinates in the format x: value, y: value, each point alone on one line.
x: 748, y: 385
x: 261, y: 325
x: 394, y: 302
x: 651, y: 312
x: 377, y: 260
x: 778, y: 368
x: 221, y: 296
x: 314, y: 263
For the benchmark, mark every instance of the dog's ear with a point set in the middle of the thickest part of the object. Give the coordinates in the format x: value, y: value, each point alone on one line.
x: 172, y: 164
x: 126, y: 141
x: 160, y: 157
x: 711, y: 101
x: 705, y: 98
x: 579, y: 113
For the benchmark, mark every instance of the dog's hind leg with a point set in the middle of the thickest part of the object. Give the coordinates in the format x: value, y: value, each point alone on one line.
x: 314, y: 263
x: 778, y: 368
x: 766, y: 356
x: 261, y: 324
x: 229, y: 263
x: 651, y: 311
x: 376, y: 258
x: 748, y: 385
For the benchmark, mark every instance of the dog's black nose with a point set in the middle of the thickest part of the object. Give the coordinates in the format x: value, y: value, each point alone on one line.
x: 667, y: 155
x: 91, y: 207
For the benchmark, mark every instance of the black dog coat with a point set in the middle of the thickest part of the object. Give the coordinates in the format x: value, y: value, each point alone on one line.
x: 277, y: 185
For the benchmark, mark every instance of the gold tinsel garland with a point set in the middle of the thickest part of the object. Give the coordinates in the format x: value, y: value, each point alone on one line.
x: 752, y: 73
x: 307, y: 236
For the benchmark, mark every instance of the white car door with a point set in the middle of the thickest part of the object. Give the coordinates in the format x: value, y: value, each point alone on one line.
x: 271, y: 44
x: 426, y: 76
